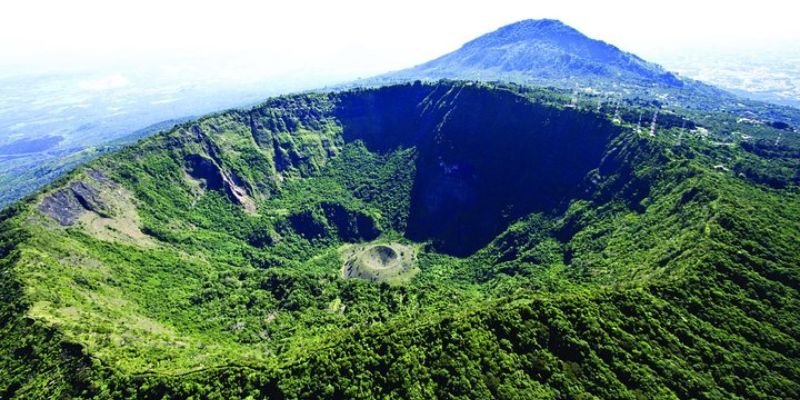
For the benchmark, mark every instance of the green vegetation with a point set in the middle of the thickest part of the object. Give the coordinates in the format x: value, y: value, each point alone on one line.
x: 559, y: 254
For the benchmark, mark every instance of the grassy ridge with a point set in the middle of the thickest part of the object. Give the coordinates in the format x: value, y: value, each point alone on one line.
x: 648, y: 271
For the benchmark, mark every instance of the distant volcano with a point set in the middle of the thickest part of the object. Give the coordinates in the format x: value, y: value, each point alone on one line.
x: 545, y: 49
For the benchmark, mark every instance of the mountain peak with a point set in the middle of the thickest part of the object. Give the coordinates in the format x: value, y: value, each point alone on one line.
x: 537, y: 25
x: 542, y: 50
x: 526, y: 30
x: 541, y: 24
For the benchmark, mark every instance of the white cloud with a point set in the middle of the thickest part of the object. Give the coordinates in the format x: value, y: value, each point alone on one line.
x: 109, y: 82
x: 164, y: 101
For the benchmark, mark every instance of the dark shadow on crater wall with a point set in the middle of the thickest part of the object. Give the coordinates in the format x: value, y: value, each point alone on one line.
x: 485, y: 158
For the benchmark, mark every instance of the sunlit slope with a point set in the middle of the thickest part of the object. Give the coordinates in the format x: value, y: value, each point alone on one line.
x: 553, y: 252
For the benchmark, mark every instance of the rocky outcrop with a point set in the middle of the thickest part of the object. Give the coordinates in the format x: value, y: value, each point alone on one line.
x: 212, y: 177
x: 66, y: 205
x: 282, y: 126
x: 204, y: 170
x: 101, y: 178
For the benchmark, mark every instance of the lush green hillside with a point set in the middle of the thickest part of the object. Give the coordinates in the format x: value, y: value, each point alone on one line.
x: 557, y: 251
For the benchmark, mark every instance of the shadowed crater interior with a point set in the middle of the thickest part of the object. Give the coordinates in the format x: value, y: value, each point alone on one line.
x: 381, y: 257
x: 483, y: 158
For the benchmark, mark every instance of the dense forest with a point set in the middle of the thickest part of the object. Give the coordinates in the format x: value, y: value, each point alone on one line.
x: 561, y: 250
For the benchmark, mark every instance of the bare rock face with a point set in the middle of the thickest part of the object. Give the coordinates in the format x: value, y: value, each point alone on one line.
x: 101, y: 178
x: 62, y: 206
x: 204, y: 170
x: 67, y: 205
x: 88, y: 196
x: 213, y: 177
x: 101, y: 208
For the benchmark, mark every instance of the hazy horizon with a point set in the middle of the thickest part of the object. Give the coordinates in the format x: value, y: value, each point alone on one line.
x: 89, y: 71
x: 353, y: 38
